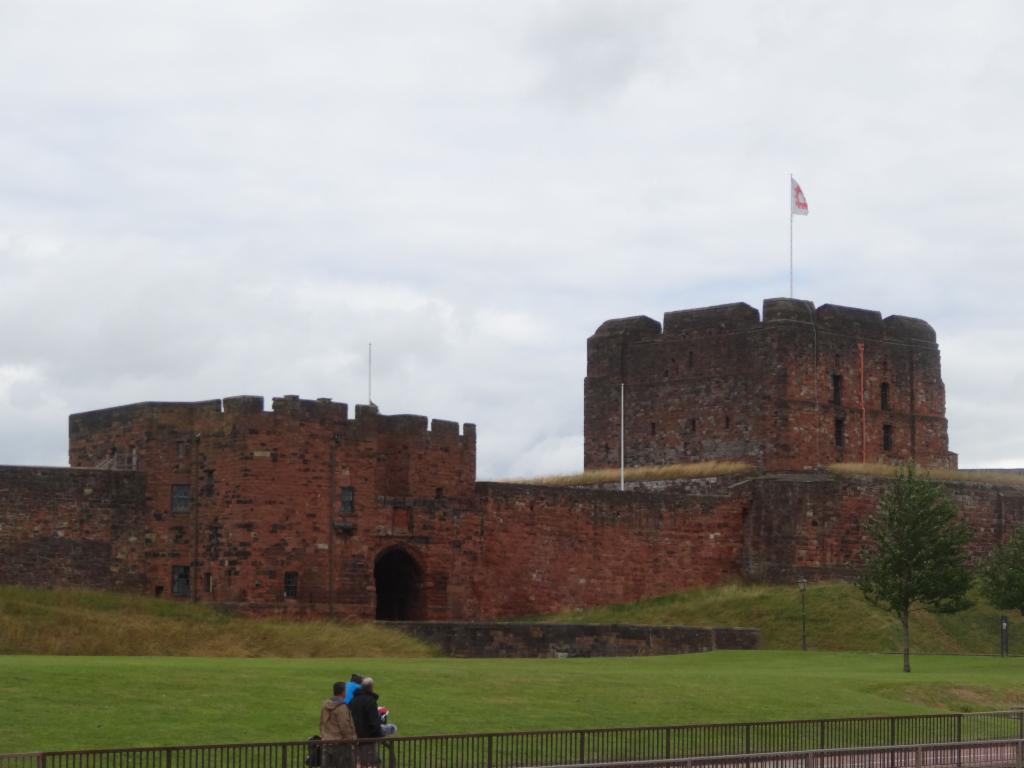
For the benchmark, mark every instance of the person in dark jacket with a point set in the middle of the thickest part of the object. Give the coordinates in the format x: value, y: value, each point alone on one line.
x: 365, y: 715
x: 366, y: 718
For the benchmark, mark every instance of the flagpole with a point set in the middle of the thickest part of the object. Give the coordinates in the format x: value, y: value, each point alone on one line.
x: 791, y: 235
x: 622, y: 436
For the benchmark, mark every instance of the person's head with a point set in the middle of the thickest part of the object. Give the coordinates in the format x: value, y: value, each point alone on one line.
x: 339, y: 689
x: 368, y: 684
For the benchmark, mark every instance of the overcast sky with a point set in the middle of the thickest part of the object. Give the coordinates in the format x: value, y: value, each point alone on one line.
x: 206, y: 199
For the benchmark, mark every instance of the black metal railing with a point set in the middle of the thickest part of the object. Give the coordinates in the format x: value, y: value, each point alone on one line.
x: 568, y: 747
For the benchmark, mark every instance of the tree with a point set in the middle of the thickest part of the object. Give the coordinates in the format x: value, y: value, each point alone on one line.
x: 1002, y: 574
x: 917, y: 555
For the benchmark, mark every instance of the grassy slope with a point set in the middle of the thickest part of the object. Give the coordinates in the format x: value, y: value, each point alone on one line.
x: 110, y: 701
x: 84, y: 622
x: 838, y: 618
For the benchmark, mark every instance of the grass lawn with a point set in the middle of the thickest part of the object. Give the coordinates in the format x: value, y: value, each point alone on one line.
x: 58, y: 702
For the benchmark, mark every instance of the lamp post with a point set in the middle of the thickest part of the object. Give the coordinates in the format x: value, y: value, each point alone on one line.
x: 802, y: 583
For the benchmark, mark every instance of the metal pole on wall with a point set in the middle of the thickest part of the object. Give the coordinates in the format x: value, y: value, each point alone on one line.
x: 622, y: 436
x: 802, y: 583
x: 863, y: 409
x: 791, y: 235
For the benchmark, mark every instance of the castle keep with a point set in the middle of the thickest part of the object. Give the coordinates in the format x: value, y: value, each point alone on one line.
x: 306, y: 508
x: 794, y: 389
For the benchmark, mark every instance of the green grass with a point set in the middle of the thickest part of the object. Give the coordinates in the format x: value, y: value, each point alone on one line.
x: 87, y: 623
x: 838, y: 619
x: 66, y: 702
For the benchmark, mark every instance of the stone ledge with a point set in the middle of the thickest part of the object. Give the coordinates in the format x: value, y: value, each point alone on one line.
x: 508, y: 640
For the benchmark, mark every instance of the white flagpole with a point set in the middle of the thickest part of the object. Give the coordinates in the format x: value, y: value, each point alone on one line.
x: 622, y: 436
x: 369, y: 373
x: 791, y: 235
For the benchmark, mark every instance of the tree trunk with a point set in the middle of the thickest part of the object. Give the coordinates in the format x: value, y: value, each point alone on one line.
x: 905, y: 621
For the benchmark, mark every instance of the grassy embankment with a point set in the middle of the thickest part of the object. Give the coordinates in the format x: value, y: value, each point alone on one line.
x: 80, y: 622
x: 838, y: 619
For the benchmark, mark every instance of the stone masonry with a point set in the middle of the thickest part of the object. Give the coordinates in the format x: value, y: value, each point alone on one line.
x: 306, y: 509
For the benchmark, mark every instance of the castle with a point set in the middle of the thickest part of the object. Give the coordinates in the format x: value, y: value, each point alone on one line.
x: 307, y: 509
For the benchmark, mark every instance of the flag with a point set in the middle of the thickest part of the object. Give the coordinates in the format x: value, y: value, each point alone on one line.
x: 797, y: 201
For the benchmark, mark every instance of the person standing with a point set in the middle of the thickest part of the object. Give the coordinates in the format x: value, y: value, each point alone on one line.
x: 366, y: 718
x: 336, y: 725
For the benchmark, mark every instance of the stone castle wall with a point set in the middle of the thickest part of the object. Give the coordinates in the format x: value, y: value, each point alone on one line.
x: 304, y: 509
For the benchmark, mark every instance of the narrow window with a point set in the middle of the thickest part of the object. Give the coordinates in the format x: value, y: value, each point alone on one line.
x: 693, y: 425
x: 180, y: 582
x: 885, y: 396
x: 208, y: 582
x: 887, y: 437
x: 837, y: 389
x: 728, y: 422
x: 653, y: 428
x: 291, y: 584
x: 180, y: 499
x: 839, y: 433
x: 348, y: 500
x: 689, y: 359
x: 439, y: 492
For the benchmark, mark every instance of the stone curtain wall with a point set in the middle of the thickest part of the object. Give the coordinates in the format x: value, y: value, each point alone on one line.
x: 721, y: 383
x: 80, y: 528
x: 496, y: 640
x: 812, y: 525
x: 508, y: 551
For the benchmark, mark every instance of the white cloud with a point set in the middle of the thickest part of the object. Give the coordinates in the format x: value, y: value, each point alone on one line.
x: 199, y: 200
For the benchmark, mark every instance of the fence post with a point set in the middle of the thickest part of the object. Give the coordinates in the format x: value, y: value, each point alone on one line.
x: 167, y: 758
x: 746, y: 739
x: 821, y: 734
x: 1020, y: 754
x: 41, y: 760
x: 668, y: 743
x: 284, y: 756
x: 583, y: 748
x: 490, y: 751
x: 919, y: 756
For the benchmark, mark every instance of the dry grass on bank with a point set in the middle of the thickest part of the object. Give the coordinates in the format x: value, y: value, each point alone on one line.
x: 80, y: 622
x: 994, y: 477
x: 637, y: 474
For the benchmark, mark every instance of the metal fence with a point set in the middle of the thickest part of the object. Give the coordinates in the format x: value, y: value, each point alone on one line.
x: 978, y: 754
x: 592, y: 747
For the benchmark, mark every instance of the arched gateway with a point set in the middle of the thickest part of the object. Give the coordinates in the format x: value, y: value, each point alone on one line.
x: 399, y: 580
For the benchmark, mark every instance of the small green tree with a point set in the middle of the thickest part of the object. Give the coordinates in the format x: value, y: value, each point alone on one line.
x: 917, y: 555
x: 1002, y: 574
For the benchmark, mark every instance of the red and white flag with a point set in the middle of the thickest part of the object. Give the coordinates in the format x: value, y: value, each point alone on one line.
x: 797, y: 201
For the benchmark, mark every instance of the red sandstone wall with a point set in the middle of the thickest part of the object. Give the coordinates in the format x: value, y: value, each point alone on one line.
x: 67, y: 527
x: 543, y: 549
x: 811, y: 525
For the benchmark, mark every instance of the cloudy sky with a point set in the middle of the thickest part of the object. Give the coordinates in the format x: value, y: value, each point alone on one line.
x: 205, y: 199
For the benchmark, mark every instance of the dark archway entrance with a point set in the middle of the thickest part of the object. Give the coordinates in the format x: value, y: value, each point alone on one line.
x: 399, y: 581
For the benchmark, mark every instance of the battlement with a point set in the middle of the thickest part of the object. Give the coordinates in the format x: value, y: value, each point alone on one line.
x: 206, y: 412
x: 740, y: 317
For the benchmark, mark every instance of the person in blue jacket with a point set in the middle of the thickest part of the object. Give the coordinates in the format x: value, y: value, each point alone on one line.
x: 354, y: 684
